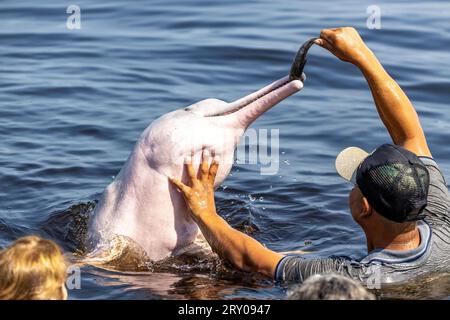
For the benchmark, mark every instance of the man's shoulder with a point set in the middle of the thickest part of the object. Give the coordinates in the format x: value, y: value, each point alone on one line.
x: 437, y: 211
x: 429, y: 161
x: 433, y: 169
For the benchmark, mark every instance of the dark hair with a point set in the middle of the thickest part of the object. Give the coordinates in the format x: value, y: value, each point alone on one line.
x: 329, y: 287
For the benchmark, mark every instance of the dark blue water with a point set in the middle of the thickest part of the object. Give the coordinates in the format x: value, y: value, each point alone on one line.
x: 73, y: 103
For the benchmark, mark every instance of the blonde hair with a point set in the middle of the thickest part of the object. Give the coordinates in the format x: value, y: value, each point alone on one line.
x: 32, y: 268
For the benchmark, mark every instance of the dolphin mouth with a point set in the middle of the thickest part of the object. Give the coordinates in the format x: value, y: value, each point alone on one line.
x: 264, y: 98
x: 249, y: 108
x: 277, y: 91
x: 272, y: 90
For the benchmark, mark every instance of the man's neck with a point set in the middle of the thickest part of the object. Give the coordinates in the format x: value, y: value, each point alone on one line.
x: 405, y: 241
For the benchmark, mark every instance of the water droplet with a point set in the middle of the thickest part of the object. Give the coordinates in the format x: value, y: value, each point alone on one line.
x: 282, y: 152
x: 264, y: 208
x: 261, y: 198
x: 287, y: 162
x: 252, y: 198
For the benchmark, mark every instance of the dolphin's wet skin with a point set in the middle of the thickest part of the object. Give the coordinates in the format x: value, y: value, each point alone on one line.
x: 140, y: 208
x: 73, y: 104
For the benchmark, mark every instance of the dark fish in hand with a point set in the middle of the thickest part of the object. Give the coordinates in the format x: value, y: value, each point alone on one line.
x: 300, y: 60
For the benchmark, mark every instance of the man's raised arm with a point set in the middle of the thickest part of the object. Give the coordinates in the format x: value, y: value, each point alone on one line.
x: 394, y: 107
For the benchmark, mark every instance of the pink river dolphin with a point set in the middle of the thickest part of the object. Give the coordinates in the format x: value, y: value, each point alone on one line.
x: 141, y: 204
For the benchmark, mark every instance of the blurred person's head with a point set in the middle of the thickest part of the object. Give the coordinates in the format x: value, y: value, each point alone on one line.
x: 329, y: 287
x: 32, y: 268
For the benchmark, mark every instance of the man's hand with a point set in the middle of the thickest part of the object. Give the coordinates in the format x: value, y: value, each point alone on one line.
x: 200, y: 195
x: 345, y: 43
x: 239, y: 249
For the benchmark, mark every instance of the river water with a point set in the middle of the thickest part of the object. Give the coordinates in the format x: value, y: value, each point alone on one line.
x: 73, y: 103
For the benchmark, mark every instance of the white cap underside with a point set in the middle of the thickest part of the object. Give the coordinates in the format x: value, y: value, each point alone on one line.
x: 347, y: 162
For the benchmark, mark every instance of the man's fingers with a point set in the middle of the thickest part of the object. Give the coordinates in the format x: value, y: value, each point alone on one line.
x: 324, y: 44
x: 328, y: 35
x: 204, y: 166
x: 213, y: 169
x: 319, y: 42
x: 180, y: 185
x: 190, y: 169
x: 324, y: 33
x: 328, y: 46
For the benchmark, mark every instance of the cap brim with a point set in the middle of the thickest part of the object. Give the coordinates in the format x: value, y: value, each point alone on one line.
x: 347, y: 162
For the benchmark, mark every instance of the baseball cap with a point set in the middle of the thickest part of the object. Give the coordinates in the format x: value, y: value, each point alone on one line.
x: 393, y: 180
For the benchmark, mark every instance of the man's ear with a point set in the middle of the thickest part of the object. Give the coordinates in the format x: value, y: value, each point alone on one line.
x: 367, y: 210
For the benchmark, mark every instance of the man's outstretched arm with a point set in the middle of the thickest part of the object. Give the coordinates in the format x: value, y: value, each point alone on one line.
x: 394, y: 107
x: 239, y: 249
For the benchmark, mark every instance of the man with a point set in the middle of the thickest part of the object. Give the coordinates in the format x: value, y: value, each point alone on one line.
x: 400, y: 198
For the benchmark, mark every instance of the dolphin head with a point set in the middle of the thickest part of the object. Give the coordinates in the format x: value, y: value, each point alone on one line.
x: 244, y: 111
x: 210, y: 124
